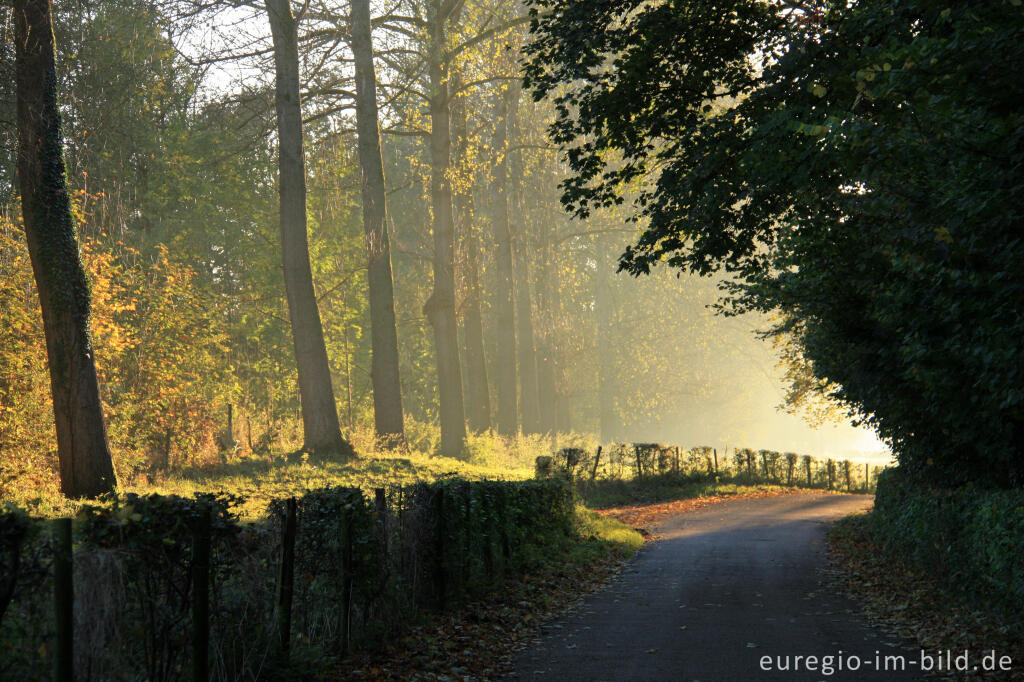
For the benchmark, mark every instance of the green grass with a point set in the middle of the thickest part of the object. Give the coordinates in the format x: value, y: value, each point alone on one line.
x: 619, y: 538
x: 260, y: 479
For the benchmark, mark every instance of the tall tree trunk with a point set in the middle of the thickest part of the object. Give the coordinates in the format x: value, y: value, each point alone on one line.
x: 84, y: 454
x: 546, y: 369
x: 529, y: 394
x: 610, y: 428
x: 478, y: 396
x: 529, y: 409
x: 387, y: 385
x: 321, y: 431
x: 440, y: 308
x: 507, y: 379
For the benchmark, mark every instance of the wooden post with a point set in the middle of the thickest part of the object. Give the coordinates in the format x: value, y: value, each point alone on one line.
x: 831, y: 474
x: 677, y: 459
x: 506, y: 545
x: 380, y: 505
x: 867, y: 478
x: 715, y: 451
x: 287, y: 582
x: 487, y: 514
x: 64, y: 600
x: 345, y: 624
x: 807, y: 465
x: 597, y: 462
x: 201, y: 597
x: 466, y: 535
x: 440, y: 579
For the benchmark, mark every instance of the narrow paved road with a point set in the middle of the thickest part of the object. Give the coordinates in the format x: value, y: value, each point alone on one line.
x: 722, y: 588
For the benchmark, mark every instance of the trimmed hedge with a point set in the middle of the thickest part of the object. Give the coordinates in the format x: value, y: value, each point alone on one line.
x: 363, y: 568
x: 971, y: 538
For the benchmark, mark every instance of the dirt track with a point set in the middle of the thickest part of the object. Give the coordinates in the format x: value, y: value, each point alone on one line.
x: 721, y: 588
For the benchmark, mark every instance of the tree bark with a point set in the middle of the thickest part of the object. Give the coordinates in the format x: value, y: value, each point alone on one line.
x: 86, y: 469
x: 440, y: 308
x: 478, y: 395
x: 321, y: 431
x: 507, y: 379
x: 529, y: 409
x: 610, y: 427
x: 546, y: 361
x: 387, y: 385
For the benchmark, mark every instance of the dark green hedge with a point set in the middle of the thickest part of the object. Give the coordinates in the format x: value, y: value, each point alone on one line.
x: 364, y: 569
x: 971, y: 538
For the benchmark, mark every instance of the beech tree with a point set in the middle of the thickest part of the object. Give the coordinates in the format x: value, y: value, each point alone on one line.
x: 478, y: 392
x: 86, y: 469
x: 508, y: 369
x: 321, y: 431
x: 387, y: 386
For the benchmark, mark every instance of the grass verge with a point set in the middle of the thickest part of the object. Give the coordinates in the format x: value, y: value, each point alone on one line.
x: 911, y: 605
x: 260, y: 479
x: 607, y: 493
x: 644, y: 516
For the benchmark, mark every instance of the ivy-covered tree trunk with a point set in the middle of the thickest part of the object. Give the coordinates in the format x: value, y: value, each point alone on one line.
x: 507, y: 378
x: 321, y: 431
x: 86, y: 469
x: 477, y: 391
x: 384, y: 371
x: 440, y: 308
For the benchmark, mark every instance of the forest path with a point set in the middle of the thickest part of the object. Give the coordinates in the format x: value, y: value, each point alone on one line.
x: 720, y: 588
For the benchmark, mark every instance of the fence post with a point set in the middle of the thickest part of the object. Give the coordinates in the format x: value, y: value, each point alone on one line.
x: 440, y: 579
x: 345, y: 626
x: 831, y: 474
x: 597, y: 461
x: 466, y: 574
x: 715, y: 451
x: 506, y: 545
x: 487, y: 514
x: 201, y: 597
x: 380, y: 506
x: 807, y: 465
x: 284, y: 602
x: 867, y: 478
x: 64, y: 600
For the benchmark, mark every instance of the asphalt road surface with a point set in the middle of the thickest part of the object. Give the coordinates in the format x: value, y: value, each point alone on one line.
x: 723, y: 587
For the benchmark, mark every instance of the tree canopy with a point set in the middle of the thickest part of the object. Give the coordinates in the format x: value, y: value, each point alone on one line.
x: 854, y: 167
